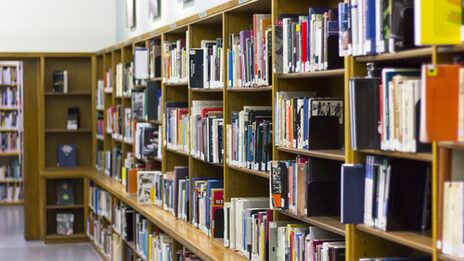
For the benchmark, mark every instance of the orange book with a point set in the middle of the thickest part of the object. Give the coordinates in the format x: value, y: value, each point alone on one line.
x: 132, y: 181
x: 440, y: 99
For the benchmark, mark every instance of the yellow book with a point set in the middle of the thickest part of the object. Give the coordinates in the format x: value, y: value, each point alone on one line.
x: 150, y: 247
x: 437, y: 22
x: 123, y: 176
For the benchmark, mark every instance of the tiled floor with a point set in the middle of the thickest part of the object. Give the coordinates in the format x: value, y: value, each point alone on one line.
x: 13, y: 246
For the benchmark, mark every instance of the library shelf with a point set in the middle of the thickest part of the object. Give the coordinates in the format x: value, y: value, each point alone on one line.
x: 127, y: 142
x: 100, y: 109
x: 9, y: 154
x: 412, y: 156
x: 250, y: 89
x: 99, y: 252
x: 331, y: 224
x: 118, y: 140
x: 187, y: 235
x: 207, y: 162
x: 9, y: 108
x: 9, y: 130
x: 196, y: 90
x: 64, y: 206
x: 178, y: 152
x: 417, y: 240
x: 157, y: 79
x: 67, y: 94
x: 54, y: 238
x: 56, y: 172
x: 108, y: 91
x: 320, y: 74
x: 139, y: 86
x: 131, y: 244
x: 258, y: 173
x: 338, y: 155
x: 11, y: 180
x: 401, y: 55
x: 149, y: 159
x: 8, y: 85
x: 68, y: 131
x: 176, y: 84
x: 446, y: 257
x: 11, y: 203
x: 452, y: 145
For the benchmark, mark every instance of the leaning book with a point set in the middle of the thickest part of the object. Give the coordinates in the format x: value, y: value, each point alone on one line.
x: 65, y: 224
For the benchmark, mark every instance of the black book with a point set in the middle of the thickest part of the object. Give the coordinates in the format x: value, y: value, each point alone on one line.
x: 220, y: 141
x: 73, y: 119
x: 60, y: 81
x: 151, y: 99
x: 278, y: 35
x: 365, y: 114
x: 323, y: 132
x: 137, y: 104
x: 196, y: 68
x: 401, y: 25
x: 129, y: 225
x: 150, y: 142
x: 65, y: 192
x: 218, y: 223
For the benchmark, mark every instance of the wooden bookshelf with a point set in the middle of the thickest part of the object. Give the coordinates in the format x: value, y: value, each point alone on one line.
x: 401, y: 55
x: 206, y: 90
x: 65, y: 206
x: 9, y: 154
x: 262, y: 174
x: 178, y: 152
x: 11, y: 203
x: 328, y: 73
x: 176, y: 84
x: 68, y: 131
x: 66, y: 94
x: 411, y: 156
x: 331, y: 224
x: 251, y: 89
x: 11, y: 180
x: 338, y: 155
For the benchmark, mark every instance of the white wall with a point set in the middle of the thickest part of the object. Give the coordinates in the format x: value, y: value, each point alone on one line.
x: 171, y: 11
x: 56, y: 25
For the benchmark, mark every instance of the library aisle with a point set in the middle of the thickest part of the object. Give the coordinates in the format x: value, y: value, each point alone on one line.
x: 14, y: 247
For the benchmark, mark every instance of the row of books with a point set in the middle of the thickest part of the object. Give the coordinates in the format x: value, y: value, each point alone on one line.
x: 175, y: 192
x: 306, y: 122
x: 100, y: 96
x: 175, y: 61
x: 9, y: 120
x: 207, y: 125
x: 141, y: 239
x: 147, y: 142
x: 249, y: 56
x: 207, y: 205
x: 99, y: 201
x: 374, y: 194
x: 369, y: 27
x: 10, y: 192
x: 10, y: 97
x: 108, y: 80
x: 128, y: 126
x: 124, y: 79
x: 206, y: 65
x: 114, y: 121
x: 249, y: 228
x: 9, y: 142
x: 146, y: 103
x: 248, y: 138
x: 297, y: 185
x: 8, y: 75
x: 10, y: 169
x: 102, y: 236
x: 100, y: 124
x: 177, y: 126
x: 307, y: 42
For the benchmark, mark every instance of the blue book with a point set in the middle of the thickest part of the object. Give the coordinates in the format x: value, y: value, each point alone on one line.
x: 212, y: 184
x: 231, y: 68
x: 370, y: 46
x: 66, y: 155
x: 352, y: 194
x: 306, y: 123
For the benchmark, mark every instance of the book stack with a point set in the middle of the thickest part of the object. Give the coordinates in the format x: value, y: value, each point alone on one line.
x: 147, y: 142
x: 146, y: 103
x: 207, y: 128
x: 154, y: 59
x: 177, y: 126
x: 369, y: 27
x: 173, y: 191
x: 207, y: 205
x: 307, y: 42
x: 9, y: 120
x: 249, y: 56
x: 249, y: 138
x: 161, y: 246
x: 108, y: 81
x: 175, y: 60
x: 392, y: 104
x: 10, y: 97
x: 99, y: 201
x: 11, y: 192
x: 8, y: 75
x: 9, y: 142
x: 141, y: 235
x: 100, y: 95
x: 128, y: 126
x: 10, y: 169
x: 387, y: 182
x: 207, y: 65
x: 296, y: 185
x: 304, y: 122
x: 101, y: 235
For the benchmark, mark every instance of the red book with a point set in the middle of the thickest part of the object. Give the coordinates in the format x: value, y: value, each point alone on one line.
x: 217, y: 202
x: 304, y: 45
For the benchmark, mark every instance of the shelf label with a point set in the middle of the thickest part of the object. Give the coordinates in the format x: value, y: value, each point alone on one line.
x: 242, y: 1
x: 173, y: 25
x: 202, y: 14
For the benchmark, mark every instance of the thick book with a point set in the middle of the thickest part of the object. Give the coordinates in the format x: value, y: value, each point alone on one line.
x: 352, y: 194
x: 66, y: 155
x: 65, y: 192
x: 196, y: 68
x: 152, y: 101
x: 140, y: 63
x: 60, y: 81
x: 146, y: 187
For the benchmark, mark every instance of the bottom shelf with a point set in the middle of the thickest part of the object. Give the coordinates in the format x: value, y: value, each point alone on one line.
x: 54, y: 238
x: 11, y: 203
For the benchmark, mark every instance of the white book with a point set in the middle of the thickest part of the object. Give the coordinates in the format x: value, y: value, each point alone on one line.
x: 453, y: 219
x: 140, y: 63
x: 227, y: 206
